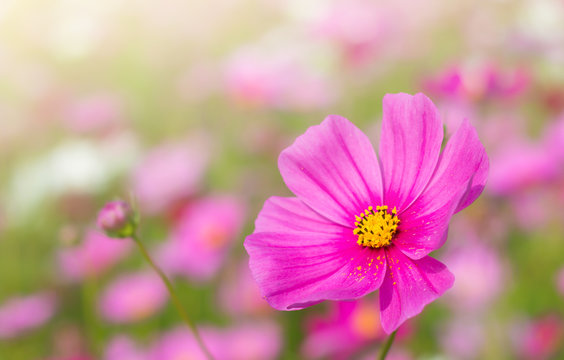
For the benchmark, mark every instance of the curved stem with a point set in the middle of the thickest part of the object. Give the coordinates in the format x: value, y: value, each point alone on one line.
x: 174, y: 297
x: 386, y: 347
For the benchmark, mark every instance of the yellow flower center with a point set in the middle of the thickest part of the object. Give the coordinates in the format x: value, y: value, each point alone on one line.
x: 376, y: 228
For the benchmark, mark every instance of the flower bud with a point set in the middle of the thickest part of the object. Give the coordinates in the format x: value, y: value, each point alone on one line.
x: 117, y: 219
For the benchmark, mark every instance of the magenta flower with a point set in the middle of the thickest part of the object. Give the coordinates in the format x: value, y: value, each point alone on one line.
x: 469, y: 83
x: 117, y: 219
x: 261, y: 340
x: 538, y: 338
x: 348, y: 326
x: 275, y: 81
x: 92, y: 257
x: 169, y: 174
x: 94, y: 114
x: 239, y: 294
x: 19, y: 315
x: 480, y: 275
x: 463, y: 337
x: 202, y: 237
x: 133, y: 297
x: 359, y: 223
x: 123, y: 347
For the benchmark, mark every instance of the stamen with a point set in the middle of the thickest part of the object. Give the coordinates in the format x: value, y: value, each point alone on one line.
x: 376, y: 228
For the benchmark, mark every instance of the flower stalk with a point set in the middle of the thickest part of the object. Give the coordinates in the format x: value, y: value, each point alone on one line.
x: 386, y: 347
x: 174, y: 297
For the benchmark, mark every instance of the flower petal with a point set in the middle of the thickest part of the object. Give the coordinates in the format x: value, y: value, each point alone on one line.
x: 299, y: 269
x: 333, y: 169
x: 410, y: 143
x: 281, y: 214
x: 409, y: 285
x: 476, y: 185
x: 458, y: 180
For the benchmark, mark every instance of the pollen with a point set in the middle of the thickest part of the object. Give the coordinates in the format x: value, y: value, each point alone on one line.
x: 376, y: 228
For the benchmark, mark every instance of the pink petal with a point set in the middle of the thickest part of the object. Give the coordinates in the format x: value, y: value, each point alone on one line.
x: 409, y: 285
x: 307, y: 258
x: 476, y: 184
x: 281, y: 214
x: 410, y: 144
x: 458, y: 180
x: 333, y: 169
x: 298, y: 258
x: 297, y: 270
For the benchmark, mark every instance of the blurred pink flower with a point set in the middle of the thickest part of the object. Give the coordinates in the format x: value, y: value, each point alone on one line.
x: 252, y: 341
x: 122, y: 347
x: 276, y: 82
x: 364, y: 30
x: 94, y: 114
x: 133, y: 297
x: 202, y: 237
x: 520, y: 165
x: 93, y: 256
x: 239, y: 294
x: 361, y: 28
x: 117, y: 219
x: 181, y: 344
x: 344, y: 330
x: 169, y: 174
x: 259, y: 341
x: 539, y: 338
x: 476, y: 82
x: 552, y: 141
x: 463, y: 338
x: 478, y: 272
x: 534, y: 208
x: 19, y: 315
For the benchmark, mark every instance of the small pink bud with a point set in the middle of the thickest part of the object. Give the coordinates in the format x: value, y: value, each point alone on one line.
x: 117, y: 219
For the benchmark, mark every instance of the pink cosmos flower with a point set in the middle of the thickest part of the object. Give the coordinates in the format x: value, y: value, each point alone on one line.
x: 168, y: 174
x: 348, y: 326
x: 365, y: 29
x: 239, y: 294
x: 539, y: 338
x: 521, y: 165
x: 96, y: 113
x: 133, y: 297
x: 276, y: 81
x: 360, y: 223
x: 361, y: 28
x: 553, y: 138
x: 260, y: 341
x: 122, y: 347
x: 202, y: 237
x: 479, y: 276
x: 93, y: 256
x: 479, y: 82
x: 21, y: 314
x: 117, y: 219
x: 463, y: 338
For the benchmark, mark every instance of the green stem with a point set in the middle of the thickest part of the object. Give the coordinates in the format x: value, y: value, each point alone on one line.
x: 174, y: 297
x: 89, y: 290
x: 387, y: 346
